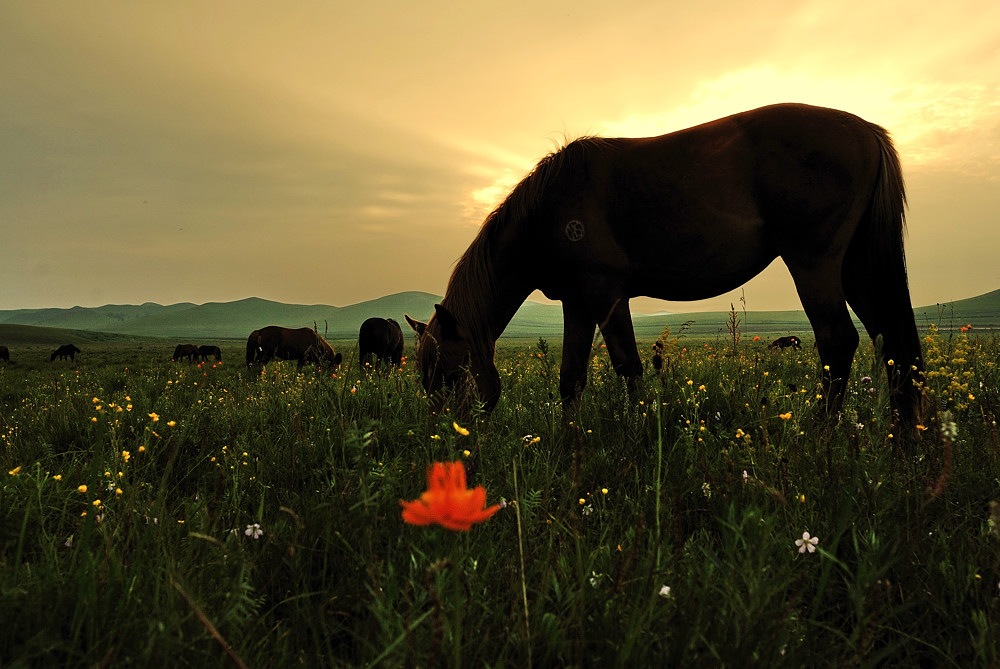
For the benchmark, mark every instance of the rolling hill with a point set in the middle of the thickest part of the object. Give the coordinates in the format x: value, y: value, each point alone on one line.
x: 234, y: 320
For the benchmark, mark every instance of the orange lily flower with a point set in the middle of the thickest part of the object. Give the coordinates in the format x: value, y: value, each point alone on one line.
x: 448, y: 501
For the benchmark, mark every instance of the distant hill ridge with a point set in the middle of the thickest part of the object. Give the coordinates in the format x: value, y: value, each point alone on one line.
x: 234, y: 320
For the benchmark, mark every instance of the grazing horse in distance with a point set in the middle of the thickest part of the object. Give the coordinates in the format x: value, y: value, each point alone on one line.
x: 380, y: 340
x: 189, y: 351
x: 65, y: 351
x: 657, y: 359
x: 785, y: 342
x: 300, y: 344
x: 4, y: 354
x: 686, y: 216
x: 205, y: 351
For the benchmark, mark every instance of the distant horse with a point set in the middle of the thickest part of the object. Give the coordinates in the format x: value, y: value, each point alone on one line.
x: 380, y: 340
x: 301, y: 344
x: 189, y: 351
x: 4, y: 354
x: 658, y: 355
x: 214, y: 351
x: 785, y: 342
x: 65, y: 351
x: 686, y: 216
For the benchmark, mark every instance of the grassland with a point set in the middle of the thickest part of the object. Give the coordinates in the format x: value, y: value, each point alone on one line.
x: 160, y: 514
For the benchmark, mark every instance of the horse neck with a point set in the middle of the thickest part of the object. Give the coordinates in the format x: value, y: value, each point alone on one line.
x: 486, y: 307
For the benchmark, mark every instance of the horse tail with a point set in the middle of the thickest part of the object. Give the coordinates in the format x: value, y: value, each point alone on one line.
x: 876, y: 283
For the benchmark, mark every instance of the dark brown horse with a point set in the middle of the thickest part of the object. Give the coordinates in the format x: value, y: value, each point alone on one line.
x: 205, y: 351
x: 786, y: 342
x: 380, y: 340
x: 687, y: 216
x: 301, y: 344
x: 4, y: 354
x: 65, y: 351
x: 189, y: 351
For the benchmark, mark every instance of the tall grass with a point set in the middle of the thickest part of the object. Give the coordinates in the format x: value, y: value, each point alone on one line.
x: 162, y: 514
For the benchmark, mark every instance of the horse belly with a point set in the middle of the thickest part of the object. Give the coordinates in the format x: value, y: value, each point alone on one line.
x: 695, y: 251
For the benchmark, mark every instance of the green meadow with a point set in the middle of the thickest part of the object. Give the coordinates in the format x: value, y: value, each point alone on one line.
x: 159, y: 514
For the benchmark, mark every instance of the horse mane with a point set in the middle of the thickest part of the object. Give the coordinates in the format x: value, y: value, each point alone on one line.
x: 474, y: 275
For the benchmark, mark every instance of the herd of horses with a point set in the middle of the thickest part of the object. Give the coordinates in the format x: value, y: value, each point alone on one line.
x: 192, y: 353
x: 379, y: 340
x: 684, y: 216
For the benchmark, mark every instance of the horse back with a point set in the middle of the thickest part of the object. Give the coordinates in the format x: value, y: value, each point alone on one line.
x: 694, y: 213
x: 300, y: 344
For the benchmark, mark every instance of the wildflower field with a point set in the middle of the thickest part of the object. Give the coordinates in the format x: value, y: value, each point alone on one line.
x: 180, y: 515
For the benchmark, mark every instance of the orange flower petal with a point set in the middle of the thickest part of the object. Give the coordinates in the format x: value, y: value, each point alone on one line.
x: 447, y: 501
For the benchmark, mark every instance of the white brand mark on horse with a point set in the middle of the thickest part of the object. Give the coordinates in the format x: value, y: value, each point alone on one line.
x: 574, y: 230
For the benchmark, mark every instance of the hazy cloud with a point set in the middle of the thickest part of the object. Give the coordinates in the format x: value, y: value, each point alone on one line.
x: 333, y: 153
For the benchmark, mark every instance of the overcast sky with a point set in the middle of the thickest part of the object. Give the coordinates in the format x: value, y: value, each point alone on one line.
x: 333, y: 152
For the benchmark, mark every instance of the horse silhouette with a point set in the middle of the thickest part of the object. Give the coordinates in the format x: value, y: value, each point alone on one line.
x: 785, y: 342
x: 657, y: 359
x: 189, y: 351
x: 380, y: 340
x: 300, y: 344
x: 686, y: 216
x: 205, y: 351
x: 4, y: 354
x: 65, y: 351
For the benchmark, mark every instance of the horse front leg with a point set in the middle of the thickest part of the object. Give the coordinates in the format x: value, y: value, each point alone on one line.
x: 619, y: 335
x: 578, y: 336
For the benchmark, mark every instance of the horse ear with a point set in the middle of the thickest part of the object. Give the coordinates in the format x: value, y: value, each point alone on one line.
x: 418, y: 326
x: 450, y: 327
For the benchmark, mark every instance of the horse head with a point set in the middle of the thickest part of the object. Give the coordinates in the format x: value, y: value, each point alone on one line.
x: 452, y: 362
x: 322, y: 354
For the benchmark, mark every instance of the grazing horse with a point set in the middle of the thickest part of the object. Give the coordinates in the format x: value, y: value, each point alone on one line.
x: 4, y: 354
x: 658, y: 355
x: 214, y: 351
x: 65, y: 351
x: 785, y: 342
x: 301, y: 344
x: 380, y: 340
x: 189, y: 351
x: 686, y: 216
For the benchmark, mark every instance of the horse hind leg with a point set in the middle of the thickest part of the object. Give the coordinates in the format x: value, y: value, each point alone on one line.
x: 879, y: 295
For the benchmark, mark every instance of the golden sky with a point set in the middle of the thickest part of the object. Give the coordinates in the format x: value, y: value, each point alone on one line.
x: 334, y: 152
